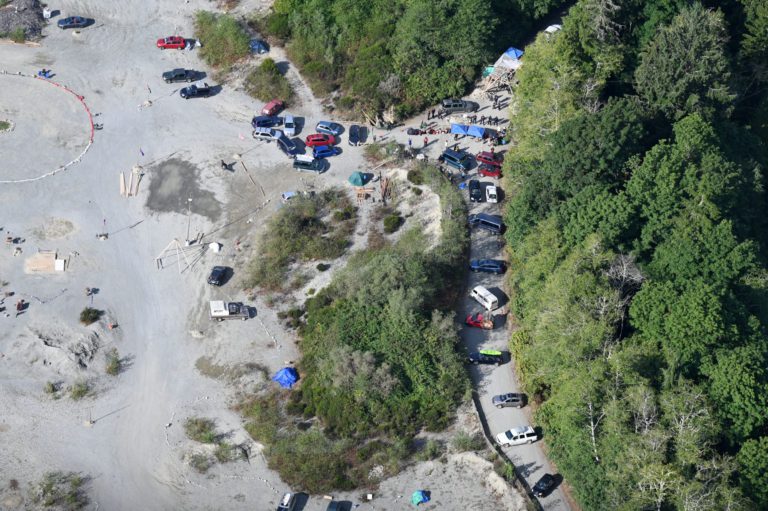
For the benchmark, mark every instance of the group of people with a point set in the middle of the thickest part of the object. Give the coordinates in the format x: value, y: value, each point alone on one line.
x: 483, y: 120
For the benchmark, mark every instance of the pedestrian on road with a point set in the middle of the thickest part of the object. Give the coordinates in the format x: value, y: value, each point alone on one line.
x: 426, y: 141
x: 410, y: 143
x: 148, y: 89
x: 446, y: 143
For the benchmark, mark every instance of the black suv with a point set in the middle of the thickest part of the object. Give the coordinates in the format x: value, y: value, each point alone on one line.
x: 193, y: 91
x: 179, y: 75
x: 265, y: 121
x: 486, y: 357
x: 450, y: 106
x: 544, y: 485
x: 509, y: 400
x: 475, y: 192
x: 218, y: 275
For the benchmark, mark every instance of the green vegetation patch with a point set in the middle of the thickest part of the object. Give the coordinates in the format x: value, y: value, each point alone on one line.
x: 5, y: 125
x: 379, y: 361
x: 90, y: 315
x: 266, y: 83
x: 61, y: 490
x: 201, y: 430
x: 300, y: 232
x: 224, y: 41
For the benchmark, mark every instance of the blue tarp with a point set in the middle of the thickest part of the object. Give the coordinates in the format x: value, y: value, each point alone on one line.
x: 258, y: 46
x: 459, y: 129
x: 419, y: 497
x: 476, y: 131
x: 514, y: 53
x: 286, y: 377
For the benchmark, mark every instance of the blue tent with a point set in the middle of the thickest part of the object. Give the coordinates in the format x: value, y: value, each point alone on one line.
x: 476, y: 131
x: 419, y: 497
x: 514, y: 53
x: 459, y: 129
x: 258, y: 46
x: 286, y: 377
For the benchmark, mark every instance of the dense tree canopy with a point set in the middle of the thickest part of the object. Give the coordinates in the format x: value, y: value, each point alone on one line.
x: 398, y: 53
x: 636, y: 227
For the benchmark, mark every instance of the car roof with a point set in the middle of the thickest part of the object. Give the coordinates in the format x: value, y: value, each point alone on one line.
x: 519, y: 430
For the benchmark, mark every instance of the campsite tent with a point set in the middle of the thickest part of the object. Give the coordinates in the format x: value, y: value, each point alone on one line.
x: 459, y: 129
x: 286, y: 377
x: 357, y: 179
x: 476, y: 131
x: 419, y: 497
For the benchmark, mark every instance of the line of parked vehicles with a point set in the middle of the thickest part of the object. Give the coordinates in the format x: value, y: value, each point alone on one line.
x: 489, y: 165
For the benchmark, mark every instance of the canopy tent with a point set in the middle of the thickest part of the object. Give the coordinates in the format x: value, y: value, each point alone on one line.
x: 459, y: 129
x: 510, y: 59
x: 357, y: 179
x: 286, y: 377
x: 476, y: 131
x: 419, y: 497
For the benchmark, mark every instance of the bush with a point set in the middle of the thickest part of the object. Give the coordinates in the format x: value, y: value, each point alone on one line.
x: 200, y: 462
x: 323, y: 266
x: 415, y: 176
x: 201, y: 430
x: 417, y: 191
x: 59, y: 490
x: 50, y: 387
x: 466, y: 442
x: 90, y: 315
x: 267, y: 83
x: 79, y: 390
x: 17, y: 35
x: 5, y: 125
x: 224, y: 40
x: 114, y: 363
x: 226, y: 452
x: 432, y: 449
x: 392, y: 223
x: 299, y: 233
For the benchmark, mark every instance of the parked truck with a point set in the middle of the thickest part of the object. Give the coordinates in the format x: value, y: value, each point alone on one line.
x: 221, y: 310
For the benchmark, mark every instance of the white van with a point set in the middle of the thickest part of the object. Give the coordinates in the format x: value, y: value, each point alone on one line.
x: 491, y: 195
x: 485, y: 298
x: 517, y: 436
x: 289, y: 125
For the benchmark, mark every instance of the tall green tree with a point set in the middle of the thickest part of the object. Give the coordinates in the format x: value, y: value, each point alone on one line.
x: 685, y: 68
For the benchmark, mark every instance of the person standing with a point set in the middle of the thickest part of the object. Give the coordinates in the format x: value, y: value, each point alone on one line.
x: 426, y: 141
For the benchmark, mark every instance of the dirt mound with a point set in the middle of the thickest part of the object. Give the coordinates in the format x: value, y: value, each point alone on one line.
x: 26, y: 14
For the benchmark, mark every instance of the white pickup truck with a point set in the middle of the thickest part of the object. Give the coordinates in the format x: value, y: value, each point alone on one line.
x: 221, y: 310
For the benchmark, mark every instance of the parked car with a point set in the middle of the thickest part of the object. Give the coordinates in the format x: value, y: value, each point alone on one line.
x: 174, y: 42
x: 329, y: 128
x: 289, y: 125
x: 491, y: 194
x: 489, y: 158
x: 195, y: 91
x: 486, y: 357
x: 491, y: 223
x: 450, y: 106
x: 324, y: 151
x: 489, y: 171
x: 287, y: 503
x: 544, y: 485
x: 304, y: 162
x: 218, y: 275
x: 509, y: 400
x: 265, y: 121
x: 517, y: 436
x: 475, y: 192
x: 319, y: 139
x: 179, y: 75
x: 480, y: 321
x: 488, y: 266
x: 72, y: 22
x: 339, y: 505
x: 273, y: 107
x: 356, y: 134
x: 266, y: 134
x: 287, y: 145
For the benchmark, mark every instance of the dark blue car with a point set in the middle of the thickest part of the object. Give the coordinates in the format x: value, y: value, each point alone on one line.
x: 325, y: 151
x: 488, y: 266
x: 72, y: 22
x: 265, y: 121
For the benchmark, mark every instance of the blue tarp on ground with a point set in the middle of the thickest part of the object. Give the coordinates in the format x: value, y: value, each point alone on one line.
x: 476, y: 131
x: 459, y: 129
x: 514, y: 53
x: 286, y: 377
x: 419, y: 497
x: 258, y: 46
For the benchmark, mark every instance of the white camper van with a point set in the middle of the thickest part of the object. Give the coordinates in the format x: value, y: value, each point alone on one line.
x: 485, y: 298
